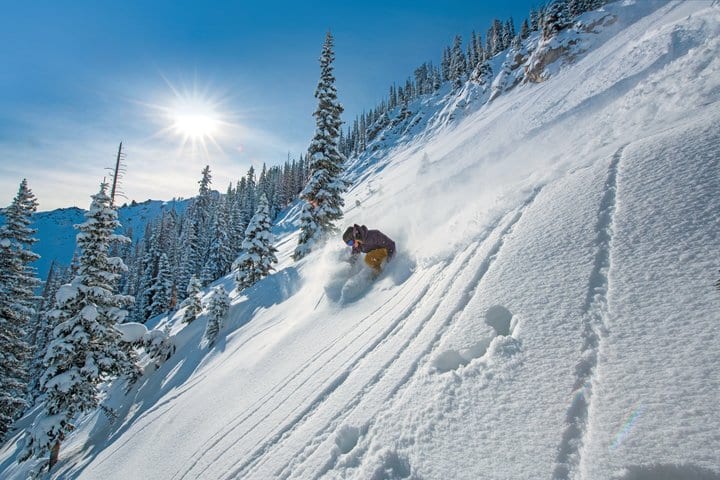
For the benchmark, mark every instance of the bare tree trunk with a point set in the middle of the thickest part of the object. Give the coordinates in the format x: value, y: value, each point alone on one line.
x: 54, y: 455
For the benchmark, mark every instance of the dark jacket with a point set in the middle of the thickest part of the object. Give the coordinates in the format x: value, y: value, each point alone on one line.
x: 372, y: 240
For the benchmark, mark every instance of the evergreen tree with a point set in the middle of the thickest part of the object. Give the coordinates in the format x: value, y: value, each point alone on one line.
x: 193, y: 302
x: 534, y: 20
x: 204, y: 217
x: 220, y: 256
x: 149, y: 266
x: 458, y: 64
x: 43, y: 326
x: 250, y: 191
x: 577, y: 7
x: 472, y: 53
x: 508, y: 33
x: 17, y: 303
x: 204, y: 200
x: 479, y: 51
x: 524, y: 30
x: 158, y: 345
x: 162, y: 288
x: 217, y: 310
x: 555, y: 19
x: 258, y: 255
x: 445, y: 64
x: 190, y: 255
x: 85, y: 350
x: 494, y: 39
x: 323, y: 192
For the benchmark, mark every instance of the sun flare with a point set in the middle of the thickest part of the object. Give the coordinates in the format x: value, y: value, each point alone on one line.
x: 195, y: 117
x: 195, y: 125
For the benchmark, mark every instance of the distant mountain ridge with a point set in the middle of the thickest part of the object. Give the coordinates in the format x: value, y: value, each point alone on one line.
x: 56, y: 228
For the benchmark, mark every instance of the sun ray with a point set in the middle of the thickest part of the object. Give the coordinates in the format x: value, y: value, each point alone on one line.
x: 195, y: 117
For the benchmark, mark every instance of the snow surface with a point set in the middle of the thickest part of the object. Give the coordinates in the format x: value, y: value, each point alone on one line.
x: 550, y: 313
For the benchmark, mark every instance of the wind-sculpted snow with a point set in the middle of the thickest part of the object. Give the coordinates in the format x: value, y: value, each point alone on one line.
x: 551, y: 312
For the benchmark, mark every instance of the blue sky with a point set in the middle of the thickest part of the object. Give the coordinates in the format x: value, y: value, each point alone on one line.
x: 78, y: 77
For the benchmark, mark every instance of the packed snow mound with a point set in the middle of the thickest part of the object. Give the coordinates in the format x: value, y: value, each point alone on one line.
x: 551, y: 312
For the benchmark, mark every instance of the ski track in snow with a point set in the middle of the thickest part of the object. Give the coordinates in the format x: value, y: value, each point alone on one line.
x: 594, y: 328
x: 313, y: 365
x: 428, y: 295
x: 451, y: 312
x: 445, y: 310
x: 462, y: 264
x: 482, y: 270
x: 337, y: 378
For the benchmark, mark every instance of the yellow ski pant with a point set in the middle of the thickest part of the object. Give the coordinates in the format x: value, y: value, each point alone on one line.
x: 375, y: 258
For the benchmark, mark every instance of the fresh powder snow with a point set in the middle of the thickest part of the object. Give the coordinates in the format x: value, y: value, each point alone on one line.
x: 551, y: 312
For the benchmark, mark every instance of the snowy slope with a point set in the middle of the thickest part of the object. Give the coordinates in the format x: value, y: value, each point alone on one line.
x: 551, y: 313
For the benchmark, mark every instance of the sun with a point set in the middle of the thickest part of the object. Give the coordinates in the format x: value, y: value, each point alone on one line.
x: 195, y: 117
x: 196, y: 121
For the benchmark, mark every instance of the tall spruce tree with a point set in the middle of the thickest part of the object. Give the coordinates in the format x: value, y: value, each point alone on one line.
x: 162, y: 288
x: 85, y: 350
x: 17, y: 303
x: 323, y: 192
x: 458, y: 64
x: 220, y: 257
x: 258, y: 256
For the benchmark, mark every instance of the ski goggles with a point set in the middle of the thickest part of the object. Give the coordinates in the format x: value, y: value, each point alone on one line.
x: 350, y: 243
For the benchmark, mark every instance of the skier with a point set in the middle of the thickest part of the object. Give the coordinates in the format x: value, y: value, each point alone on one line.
x: 377, y: 247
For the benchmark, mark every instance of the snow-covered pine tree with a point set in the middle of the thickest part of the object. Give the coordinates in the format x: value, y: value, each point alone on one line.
x: 445, y: 64
x: 207, y: 274
x: 236, y: 227
x: 85, y: 350
x: 555, y: 19
x: 204, y: 214
x: 217, y: 310
x: 193, y: 302
x: 250, y: 195
x: 204, y: 199
x: 534, y: 20
x: 472, y: 57
x: 258, y: 256
x: 159, y: 345
x: 44, y: 325
x: 494, y: 38
x: 162, y: 288
x: 508, y: 33
x: 575, y: 8
x: 150, y: 264
x: 524, y: 30
x: 220, y: 257
x: 458, y: 64
x: 285, y: 188
x: 190, y: 251
x: 17, y: 303
x: 323, y: 192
